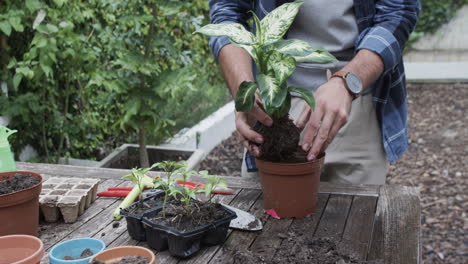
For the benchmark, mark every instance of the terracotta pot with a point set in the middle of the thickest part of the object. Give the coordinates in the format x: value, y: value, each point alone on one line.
x: 290, y: 188
x: 21, y: 249
x: 112, y: 255
x: 19, y: 211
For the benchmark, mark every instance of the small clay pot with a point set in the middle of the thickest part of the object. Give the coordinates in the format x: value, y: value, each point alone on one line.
x: 21, y: 249
x: 290, y: 188
x: 113, y: 255
x: 19, y: 210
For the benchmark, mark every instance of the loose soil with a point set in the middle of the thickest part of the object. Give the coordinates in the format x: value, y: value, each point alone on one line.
x: 200, y: 215
x: 299, y: 249
x: 280, y: 141
x: 151, y: 203
x: 17, y: 183
x: 86, y: 253
x: 436, y: 163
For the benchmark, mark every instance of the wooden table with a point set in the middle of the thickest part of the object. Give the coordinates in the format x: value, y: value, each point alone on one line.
x: 374, y: 222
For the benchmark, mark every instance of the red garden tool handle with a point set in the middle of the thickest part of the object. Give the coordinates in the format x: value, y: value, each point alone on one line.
x: 191, y: 185
x: 113, y: 194
x: 119, y: 188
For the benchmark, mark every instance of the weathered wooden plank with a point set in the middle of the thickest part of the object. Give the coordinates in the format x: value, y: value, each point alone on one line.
x: 397, y: 226
x: 358, y: 230
x: 123, y: 240
x: 333, y: 220
x: 99, y: 221
x: 303, y: 226
x: 233, y: 182
x: 240, y: 239
x: 51, y: 233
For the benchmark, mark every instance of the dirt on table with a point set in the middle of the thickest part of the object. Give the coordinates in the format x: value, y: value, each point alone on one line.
x: 299, y: 249
x: 17, y: 183
x: 436, y: 163
x: 86, y: 253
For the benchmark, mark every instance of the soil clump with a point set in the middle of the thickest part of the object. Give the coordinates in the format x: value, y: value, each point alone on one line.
x: 86, y: 253
x: 17, y: 183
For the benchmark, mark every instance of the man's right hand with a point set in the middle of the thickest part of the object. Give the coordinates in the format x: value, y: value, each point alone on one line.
x: 245, y: 122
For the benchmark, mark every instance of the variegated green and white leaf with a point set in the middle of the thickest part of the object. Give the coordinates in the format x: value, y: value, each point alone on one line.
x: 271, y: 91
x: 283, y: 109
x: 245, y: 96
x: 306, y: 94
x: 282, y: 65
x: 277, y: 22
x: 235, y: 31
x: 317, y: 56
x: 293, y: 47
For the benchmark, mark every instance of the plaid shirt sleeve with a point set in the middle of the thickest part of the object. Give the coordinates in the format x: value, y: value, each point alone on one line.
x: 227, y: 11
x: 393, y: 22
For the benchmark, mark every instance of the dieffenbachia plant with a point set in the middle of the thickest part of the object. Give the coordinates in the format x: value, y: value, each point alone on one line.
x: 274, y: 57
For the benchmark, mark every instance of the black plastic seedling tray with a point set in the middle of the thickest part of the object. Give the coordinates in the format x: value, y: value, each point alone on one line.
x: 185, y: 244
x: 134, y: 225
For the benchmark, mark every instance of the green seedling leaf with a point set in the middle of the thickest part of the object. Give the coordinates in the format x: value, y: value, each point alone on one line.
x: 306, y: 94
x: 317, y: 56
x: 235, y: 31
x: 278, y: 21
x: 270, y: 91
x: 282, y: 65
x: 245, y: 96
x: 293, y: 47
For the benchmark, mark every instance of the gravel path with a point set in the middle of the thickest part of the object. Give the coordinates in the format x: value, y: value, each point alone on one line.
x: 436, y: 163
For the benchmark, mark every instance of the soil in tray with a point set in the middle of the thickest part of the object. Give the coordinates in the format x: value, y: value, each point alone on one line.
x: 151, y: 203
x: 299, y: 249
x: 17, y: 183
x: 126, y: 260
x: 200, y: 215
x: 86, y: 253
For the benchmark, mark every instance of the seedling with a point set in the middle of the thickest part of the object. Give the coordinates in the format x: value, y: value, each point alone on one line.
x: 170, y: 168
x: 276, y: 60
x: 212, y: 183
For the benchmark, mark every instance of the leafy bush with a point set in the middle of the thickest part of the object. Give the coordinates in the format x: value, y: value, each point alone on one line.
x: 434, y: 14
x: 77, y: 73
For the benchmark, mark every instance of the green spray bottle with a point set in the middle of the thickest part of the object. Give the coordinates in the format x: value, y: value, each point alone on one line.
x: 7, y: 163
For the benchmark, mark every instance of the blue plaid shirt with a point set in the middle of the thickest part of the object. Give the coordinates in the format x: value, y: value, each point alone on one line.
x: 384, y: 27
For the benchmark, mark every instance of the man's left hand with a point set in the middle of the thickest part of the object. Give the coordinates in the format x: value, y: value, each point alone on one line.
x: 333, y: 104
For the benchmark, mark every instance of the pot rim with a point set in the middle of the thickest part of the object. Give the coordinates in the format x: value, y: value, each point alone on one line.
x: 151, y: 261
x: 38, y: 254
x: 35, y: 174
x: 284, y: 168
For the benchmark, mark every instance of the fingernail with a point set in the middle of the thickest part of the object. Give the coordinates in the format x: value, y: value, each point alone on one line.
x: 311, y: 157
x: 305, y: 147
x: 269, y: 122
x: 259, y: 140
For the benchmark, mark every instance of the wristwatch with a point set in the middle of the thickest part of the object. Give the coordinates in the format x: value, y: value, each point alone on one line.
x: 352, y: 81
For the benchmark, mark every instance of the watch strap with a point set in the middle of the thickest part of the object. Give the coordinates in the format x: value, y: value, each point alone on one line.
x: 342, y: 74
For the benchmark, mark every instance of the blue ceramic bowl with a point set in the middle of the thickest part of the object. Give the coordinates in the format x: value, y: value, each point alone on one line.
x: 74, y: 248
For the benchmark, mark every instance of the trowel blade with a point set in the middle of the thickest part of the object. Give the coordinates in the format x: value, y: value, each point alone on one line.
x: 244, y: 220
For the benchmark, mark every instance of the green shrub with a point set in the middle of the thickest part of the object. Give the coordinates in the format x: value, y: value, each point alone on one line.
x: 72, y: 69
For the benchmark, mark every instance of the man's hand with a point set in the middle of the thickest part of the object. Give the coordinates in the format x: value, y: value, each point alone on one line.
x: 333, y: 104
x: 244, y: 124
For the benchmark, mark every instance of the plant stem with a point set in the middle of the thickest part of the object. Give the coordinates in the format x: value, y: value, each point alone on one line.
x: 144, y: 160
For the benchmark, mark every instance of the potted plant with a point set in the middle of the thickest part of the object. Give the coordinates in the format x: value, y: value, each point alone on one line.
x: 19, y: 202
x: 289, y: 181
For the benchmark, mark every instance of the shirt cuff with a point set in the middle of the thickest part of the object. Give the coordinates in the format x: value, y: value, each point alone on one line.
x: 382, y: 42
x: 217, y: 43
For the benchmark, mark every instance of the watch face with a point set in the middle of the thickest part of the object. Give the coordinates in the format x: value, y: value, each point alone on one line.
x: 354, y: 83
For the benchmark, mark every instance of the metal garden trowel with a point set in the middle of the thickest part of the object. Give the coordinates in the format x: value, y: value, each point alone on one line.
x: 244, y: 220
